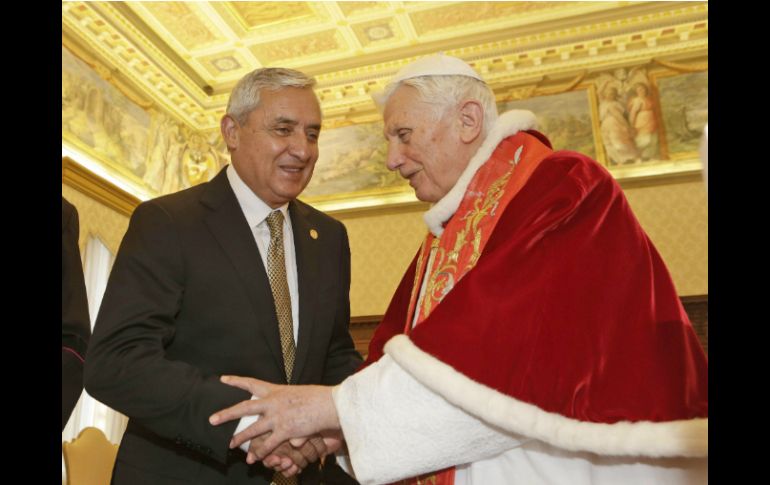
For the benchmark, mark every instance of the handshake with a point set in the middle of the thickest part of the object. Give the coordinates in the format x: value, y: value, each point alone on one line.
x: 297, y: 425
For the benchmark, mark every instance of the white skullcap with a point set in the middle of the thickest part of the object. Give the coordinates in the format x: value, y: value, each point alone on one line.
x: 436, y: 65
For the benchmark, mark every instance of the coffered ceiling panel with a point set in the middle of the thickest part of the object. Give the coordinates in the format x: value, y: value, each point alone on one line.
x: 256, y: 16
x: 183, y: 25
x: 290, y: 52
x: 184, y: 57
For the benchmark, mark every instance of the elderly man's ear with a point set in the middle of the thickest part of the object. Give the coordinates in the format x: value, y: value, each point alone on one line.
x: 229, y: 128
x: 471, y: 121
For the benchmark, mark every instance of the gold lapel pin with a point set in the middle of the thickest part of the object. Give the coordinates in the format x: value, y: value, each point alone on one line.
x: 314, y: 234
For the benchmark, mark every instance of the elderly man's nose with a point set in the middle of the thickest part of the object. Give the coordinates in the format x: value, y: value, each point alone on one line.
x: 300, y: 146
x: 395, y: 158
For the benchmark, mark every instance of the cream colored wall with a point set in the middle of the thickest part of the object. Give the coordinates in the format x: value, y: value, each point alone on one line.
x: 381, y: 248
x: 96, y: 219
x: 674, y: 216
x: 676, y: 219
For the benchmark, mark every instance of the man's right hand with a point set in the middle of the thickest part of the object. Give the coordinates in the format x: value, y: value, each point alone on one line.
x: 289, y: 459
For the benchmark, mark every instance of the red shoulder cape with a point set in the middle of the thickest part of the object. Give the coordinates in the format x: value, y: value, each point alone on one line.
x: 570, y: 319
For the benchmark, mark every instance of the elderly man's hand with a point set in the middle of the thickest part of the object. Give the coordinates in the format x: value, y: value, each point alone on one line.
x: 330, y: 442
x: 289, y: 459
x: 286, y: 411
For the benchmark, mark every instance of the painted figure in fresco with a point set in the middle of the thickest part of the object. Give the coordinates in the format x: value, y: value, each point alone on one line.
x: 617, y: 133
x: 173, y: 169
x: 164, y: 165
x: 153, y: 174
x: 537, y: 336
x: 231, y: 276
x: 641, y: 115
x: 74, y: 116
x: 199, y: 161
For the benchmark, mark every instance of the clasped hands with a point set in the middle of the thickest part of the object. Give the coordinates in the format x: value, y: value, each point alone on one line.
x: 297, y: 424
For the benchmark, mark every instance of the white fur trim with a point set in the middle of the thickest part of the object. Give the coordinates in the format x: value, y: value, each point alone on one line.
x: 389, y: 417
x: 686, y: 438
x: 507, y: 124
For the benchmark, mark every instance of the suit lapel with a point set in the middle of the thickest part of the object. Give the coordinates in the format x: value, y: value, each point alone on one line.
x: 230, y: 228
x: 307, y: 252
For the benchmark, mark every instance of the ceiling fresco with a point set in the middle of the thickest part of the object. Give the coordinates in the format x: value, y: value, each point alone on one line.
x: 186, y: 56
x: 179, y: 60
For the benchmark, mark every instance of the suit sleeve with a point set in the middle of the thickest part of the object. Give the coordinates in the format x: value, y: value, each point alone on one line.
x: 76, y: 325
x: 342, y: 358
x: 127, y: 366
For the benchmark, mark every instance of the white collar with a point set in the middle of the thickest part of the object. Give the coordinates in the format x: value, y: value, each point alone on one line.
x: 507, y: 124
x: 252, y: 206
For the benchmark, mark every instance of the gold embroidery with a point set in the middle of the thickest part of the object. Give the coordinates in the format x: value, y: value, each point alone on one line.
x: 484, y: 208
x: 445, y: 275
x: 440, y: 281
x: 427, y: 480
x: 481, y: 207
x: 418, y: 273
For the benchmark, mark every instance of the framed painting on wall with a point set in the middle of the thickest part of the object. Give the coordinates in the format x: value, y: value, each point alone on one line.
x: 565, y: 118
x: 684, y: 112
x: 642, y: 121
x: 351, y: 174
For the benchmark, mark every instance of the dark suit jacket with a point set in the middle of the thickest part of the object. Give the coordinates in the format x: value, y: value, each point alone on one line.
x: 75, y: 323
x: 188, y: 300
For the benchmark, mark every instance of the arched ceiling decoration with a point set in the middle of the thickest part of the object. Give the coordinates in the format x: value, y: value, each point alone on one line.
x: 184, y: 57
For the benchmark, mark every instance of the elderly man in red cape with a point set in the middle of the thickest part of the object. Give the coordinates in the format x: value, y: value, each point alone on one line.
x: 536, y: 337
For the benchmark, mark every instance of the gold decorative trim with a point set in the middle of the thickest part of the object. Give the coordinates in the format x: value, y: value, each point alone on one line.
x: 581, y: 37
x: 661, y: 179
x: 676, y: 66
x: 385, y: 208
x: 517, y: 93
x: 111, y: 76
x: 95, y: 187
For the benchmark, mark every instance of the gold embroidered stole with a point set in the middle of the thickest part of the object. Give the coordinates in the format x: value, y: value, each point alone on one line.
x: 466, y: 234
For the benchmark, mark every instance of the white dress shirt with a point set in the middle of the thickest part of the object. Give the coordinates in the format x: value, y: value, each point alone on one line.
x: 256, y: 212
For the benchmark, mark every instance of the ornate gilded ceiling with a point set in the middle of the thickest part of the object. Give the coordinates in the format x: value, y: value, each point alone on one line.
x: 184, y: 57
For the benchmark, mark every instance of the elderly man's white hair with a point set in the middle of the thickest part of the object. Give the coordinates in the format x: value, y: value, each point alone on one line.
x: 443, y: 82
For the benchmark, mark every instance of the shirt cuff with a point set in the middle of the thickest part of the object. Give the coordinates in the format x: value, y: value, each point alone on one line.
x: 244, y: 423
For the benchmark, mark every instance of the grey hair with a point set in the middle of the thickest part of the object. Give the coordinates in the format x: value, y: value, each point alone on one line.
x: 245, y: 95
x: 445, y: 92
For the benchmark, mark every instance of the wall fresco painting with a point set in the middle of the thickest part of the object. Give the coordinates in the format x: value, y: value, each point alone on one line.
x: 564, y: 118
x: 352, y: 159
x: 685, y: 105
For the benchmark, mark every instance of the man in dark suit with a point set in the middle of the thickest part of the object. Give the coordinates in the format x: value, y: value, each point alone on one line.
x: 75, y: 323
x: 214, y: 280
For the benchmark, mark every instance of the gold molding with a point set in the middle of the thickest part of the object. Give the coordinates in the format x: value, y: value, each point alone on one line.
x: 661, y: 179
x: 112, y: 76
x: 677, y: 66
x: 95, y: 187
x: 141, y: 26
x: 386, y: 208
x: 516, y: 50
